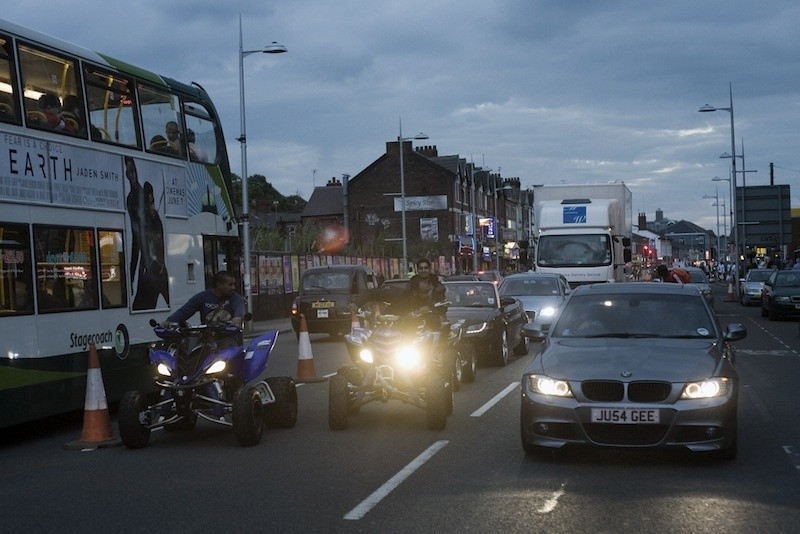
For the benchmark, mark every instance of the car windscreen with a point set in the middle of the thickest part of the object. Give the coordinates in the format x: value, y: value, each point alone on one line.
x: 528, y: 287
x: 650, y: 315
x: 758, y: 276
x: 327, y: 281
x: 698, y: 277
x: 787, y: 280
x: 472, y: 295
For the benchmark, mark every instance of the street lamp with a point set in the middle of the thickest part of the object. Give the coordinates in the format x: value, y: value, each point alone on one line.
x: 274, y: 48
x: 730, y: 203
x: 716, y: 204
x: 705, y: 109
x: 743, y: 172
x: 496, y: 225
x: 400, y: 141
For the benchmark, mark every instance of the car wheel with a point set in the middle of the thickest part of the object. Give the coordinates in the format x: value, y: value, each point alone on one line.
x: 132, y: 432
x: 773, y: 312
x: 283, y: 412
x: 501, y: 358
x: 248, y: 416
x: 522, y: 348
x: 470, y: 369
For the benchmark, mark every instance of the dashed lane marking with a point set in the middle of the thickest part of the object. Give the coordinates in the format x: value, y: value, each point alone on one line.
x: 494, y: 400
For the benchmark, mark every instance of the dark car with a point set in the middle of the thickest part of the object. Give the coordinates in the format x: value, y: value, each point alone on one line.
x: 329, y: 295
x: 491, y: 276
x: 462, y: 278
x: 780, y: 296
x: 493, y: 325
x: 633, y: 365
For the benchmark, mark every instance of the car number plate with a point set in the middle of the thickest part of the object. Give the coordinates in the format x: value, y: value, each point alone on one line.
x: 323, y: 304
x: 322, y: 314
x: 625, y: 416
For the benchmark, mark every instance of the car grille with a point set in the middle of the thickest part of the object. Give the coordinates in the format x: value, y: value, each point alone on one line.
x: 614, y: 391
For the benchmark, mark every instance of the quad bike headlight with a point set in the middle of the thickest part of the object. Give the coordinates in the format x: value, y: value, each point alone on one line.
x: 163, y: 369
x: 409, y: 358
x: 366, y: 356
x: 216, y: 367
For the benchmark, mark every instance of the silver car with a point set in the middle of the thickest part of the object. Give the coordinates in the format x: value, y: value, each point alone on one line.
x: 541, y: 294
x: 634, y: 365
x: 750, y: 286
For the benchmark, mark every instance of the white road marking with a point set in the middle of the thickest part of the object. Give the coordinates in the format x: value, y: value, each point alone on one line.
x: 494, y: 400
x: 377, y: 496
x: 551, y: 503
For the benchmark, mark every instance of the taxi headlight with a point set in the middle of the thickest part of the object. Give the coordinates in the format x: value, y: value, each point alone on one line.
x: 163, y: 369
x: 706, y: 389
x: 216, y: 367
x: 545, y: 385
x: 366, y: 356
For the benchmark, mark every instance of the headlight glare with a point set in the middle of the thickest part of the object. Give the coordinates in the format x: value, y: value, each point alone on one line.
x: 366, y: 356
x: 706, y: 389
x: 408, y: 358
x: 548, y: 311
x: 216, y: 367
x: 549, y: 386
x: 163, y: 369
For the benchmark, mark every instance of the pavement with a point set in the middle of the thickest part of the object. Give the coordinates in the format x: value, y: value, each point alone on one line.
x: 255, y: 328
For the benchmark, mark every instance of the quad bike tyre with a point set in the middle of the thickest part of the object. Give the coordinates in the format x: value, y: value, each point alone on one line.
x: 283, y: 412
x: 337, y: 402
x: 132, y: 432
x: 438, y: 401
x: 470, y: 368
x: 248, y: 416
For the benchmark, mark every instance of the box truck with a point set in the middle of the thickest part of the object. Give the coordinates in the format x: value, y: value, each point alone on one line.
x: 583, y: 231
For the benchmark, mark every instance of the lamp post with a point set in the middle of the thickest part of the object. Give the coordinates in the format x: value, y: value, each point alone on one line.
x: 743, y: 172
x: 496, y: 225
x: 716, y: 204
x: 400, y: 141
x: 274, y: 48
x: 730, y: 203
x: 734, y: 225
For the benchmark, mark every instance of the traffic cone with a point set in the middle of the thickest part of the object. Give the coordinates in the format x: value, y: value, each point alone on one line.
x: 96, y: 421
x: 731, y: 297
x: 305, y: 358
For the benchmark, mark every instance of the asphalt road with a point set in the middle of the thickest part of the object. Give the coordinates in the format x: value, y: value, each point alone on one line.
x: 388, y: 473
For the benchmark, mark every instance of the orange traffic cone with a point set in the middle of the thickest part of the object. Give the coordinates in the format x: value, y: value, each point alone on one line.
x: 731, y: 297
x: 305, y: 358
x: 96, y: 421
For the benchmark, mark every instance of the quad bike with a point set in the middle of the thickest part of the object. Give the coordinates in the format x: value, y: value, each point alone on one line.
x: 395, y: 357
x: 204, y: 371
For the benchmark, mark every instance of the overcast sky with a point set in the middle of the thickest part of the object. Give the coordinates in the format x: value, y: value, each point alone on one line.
x: 547, y: 91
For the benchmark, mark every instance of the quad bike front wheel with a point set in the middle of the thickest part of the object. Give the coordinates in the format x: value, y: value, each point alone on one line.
x: 248, y: 416
x: 438, y: 398
x: 337, y: 402
x: 133, y: 433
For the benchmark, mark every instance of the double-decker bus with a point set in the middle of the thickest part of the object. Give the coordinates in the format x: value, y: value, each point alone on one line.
x: 115, y: 208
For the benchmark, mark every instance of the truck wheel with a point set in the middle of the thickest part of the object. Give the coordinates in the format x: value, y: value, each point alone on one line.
x: 248, y: 416
x: 283, y: 412
x: 436, y: 401
x: 132, y: 432
x: 337, y: 402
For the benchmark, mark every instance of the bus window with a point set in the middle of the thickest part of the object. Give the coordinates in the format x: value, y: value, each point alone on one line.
x: 48, y: 79
x: 200, y: 133
x: 112, y: 109
x: 161, y: 121
x: 16, y: 289
x: 8, y: 89
x: 65, y: 268
x: 112, y: 269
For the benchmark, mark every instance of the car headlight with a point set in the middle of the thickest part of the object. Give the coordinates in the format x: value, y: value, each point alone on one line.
x: 163, y: 369
x: 782, y: 299
x: 409, y: 357
x: 476, y: 328
x: 548, y: 312
x: 216, y: 367
x: 366, y: 356
x: 706, y: 389
x: 549, y: 386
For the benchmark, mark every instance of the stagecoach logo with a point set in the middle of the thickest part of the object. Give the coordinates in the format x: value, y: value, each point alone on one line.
x: 118, y: 339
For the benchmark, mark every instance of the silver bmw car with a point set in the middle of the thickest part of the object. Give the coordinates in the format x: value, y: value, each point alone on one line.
x: 636, y: 365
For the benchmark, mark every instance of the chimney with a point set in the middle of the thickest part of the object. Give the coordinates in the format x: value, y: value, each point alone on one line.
x: 429, y: 151
x: 642, y: 221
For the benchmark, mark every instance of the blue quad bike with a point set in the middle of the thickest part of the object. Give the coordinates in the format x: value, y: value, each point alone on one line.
x: 204, y: 371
